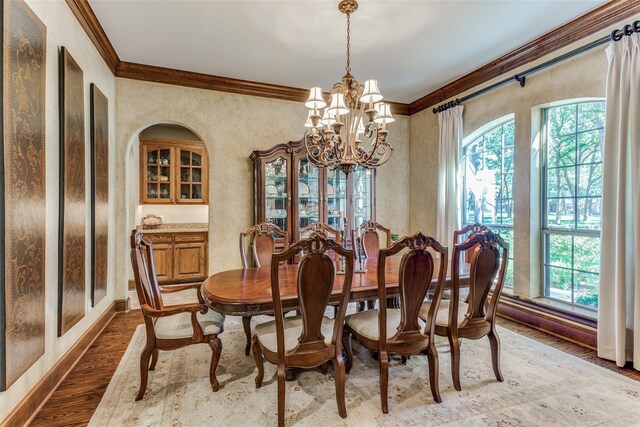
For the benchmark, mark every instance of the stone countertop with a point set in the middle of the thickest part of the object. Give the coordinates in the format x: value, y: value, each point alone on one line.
x: 177, y: 228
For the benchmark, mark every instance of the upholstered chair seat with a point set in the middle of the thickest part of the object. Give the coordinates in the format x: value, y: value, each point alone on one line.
x: 266, y: 333
x: 365, y: 323
x: 179, y: 325
x: 442, y: 318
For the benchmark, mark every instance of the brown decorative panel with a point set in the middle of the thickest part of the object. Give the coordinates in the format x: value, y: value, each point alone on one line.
x: 22, y: 191
x: 99, y: 193
x: 71, y: 237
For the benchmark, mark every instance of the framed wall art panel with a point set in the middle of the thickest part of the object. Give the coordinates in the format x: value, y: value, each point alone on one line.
x: 71, y: 232
x: 22, y: 191
x: 99, y: 193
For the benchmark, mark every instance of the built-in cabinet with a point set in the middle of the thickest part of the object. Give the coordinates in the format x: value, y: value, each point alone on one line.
x: 173, y: 172
x: 291, y: 193
x: 179, y: 256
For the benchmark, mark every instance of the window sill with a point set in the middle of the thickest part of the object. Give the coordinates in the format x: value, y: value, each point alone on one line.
x: 564, y: 321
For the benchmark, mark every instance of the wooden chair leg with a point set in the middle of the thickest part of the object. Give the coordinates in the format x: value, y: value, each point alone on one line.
x: 154, y: 359
x: 434, y: 372
x: 339, y: 376
x: 281, y: 394
x: 144, y: 371
x: 403, y: 359
x: 346, y: 344
x: 454, y: 346
x: 246, y: 324
x: 494, y: 341
x: 257, y: 355
x: 384, y: 382
x: 216, y: 350
x: 325, y: 368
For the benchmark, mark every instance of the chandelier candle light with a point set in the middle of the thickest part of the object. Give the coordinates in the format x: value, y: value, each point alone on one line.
x: 354, y: 111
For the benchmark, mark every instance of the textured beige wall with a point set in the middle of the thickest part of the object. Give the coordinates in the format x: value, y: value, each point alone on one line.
x: 64, y: 30
x: 232, y: 126
x: 581, y: 77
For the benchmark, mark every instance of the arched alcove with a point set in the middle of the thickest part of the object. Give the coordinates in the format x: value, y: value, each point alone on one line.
x: 171, y: 213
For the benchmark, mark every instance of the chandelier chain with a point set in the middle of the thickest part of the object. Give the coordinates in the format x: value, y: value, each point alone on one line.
x: 348, y: 43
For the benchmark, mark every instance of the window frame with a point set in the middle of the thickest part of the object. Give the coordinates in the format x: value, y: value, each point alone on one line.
x: 545, y: 231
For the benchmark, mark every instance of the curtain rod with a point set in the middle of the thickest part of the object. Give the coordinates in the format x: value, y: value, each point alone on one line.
x: 615, y: 36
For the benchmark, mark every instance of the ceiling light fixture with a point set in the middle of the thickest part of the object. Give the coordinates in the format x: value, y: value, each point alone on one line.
x: 355, y: 111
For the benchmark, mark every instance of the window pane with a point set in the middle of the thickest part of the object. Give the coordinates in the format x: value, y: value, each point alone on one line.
x: 561, y: 182
x: 508, y: 159
x: 493, y: 139
x: 589, y: 210
x: 509, y: 133
x: 590, y: 147
x: 562, y: 150
x: 559, y: 283
x: 590, y: 180
x: 560, y: 213
x: 590, y: 116
x: 562, y: 120
x: 586, y: 289
x: 586, y: 253
x: 560, y: 250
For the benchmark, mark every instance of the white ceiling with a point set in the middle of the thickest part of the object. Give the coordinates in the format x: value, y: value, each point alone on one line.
x: 410, y: 47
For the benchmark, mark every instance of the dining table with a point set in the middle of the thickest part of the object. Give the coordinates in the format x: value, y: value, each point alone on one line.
x: 247, y: 292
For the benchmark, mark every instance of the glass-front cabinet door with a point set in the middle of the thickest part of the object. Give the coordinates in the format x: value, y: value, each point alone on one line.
x: 308, y: 193
x: 157, y: 164
x: 193, y: 173
x: 276, y: 192
x: 336, y: 197
x: 362, y: 196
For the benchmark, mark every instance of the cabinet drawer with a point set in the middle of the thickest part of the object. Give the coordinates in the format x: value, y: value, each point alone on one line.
x: 191, y: 237
x: 159, y: 237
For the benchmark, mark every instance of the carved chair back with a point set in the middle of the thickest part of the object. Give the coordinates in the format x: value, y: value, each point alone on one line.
x: 263, y: 243
x: 488, y: 258
x: 368, y: 232
x: 460, y: 236
x: 323, y: 229
x: 416, y: 272
x: 316, y: 276
x: 144, y: 271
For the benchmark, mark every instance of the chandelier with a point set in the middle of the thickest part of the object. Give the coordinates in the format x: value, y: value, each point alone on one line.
x: 355, y: 112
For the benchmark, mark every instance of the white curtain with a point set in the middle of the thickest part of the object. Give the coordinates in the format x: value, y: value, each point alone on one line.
x: 447, y: 219
x: 619, y: 305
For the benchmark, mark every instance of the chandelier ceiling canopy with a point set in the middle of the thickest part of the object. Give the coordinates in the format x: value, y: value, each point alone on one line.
x: 352, y: 129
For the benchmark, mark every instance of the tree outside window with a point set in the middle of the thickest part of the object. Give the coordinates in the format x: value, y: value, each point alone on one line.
x: 572, y: 202
x: 487, y: 196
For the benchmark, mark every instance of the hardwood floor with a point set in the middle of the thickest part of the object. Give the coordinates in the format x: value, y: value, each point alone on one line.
x: 77, y: 398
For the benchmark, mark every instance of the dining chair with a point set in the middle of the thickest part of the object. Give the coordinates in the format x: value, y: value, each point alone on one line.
x: 473, y: 319
x: 400, y: 331
x: 170, y: 327
x: 461, y: 235
x: 370, y: 241
x: 368, y: 233
x: 310, y: 339
x: 263, y: 245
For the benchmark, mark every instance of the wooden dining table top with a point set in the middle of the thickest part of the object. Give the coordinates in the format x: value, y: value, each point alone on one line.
x: 247, y: 292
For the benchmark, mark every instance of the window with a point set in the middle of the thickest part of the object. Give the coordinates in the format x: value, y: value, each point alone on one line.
x: 487, y: 187
x: 571, y: 195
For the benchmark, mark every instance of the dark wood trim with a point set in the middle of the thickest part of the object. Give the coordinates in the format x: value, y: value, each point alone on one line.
x: 29, y: 406
x: 151, y: 73
x: 88, y: 20
x: 123, y: 305
x: 591, y: 22
x: 572, y: 327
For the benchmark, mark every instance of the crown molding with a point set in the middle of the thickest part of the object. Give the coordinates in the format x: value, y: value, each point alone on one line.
x: 89, y: 21
x: 591, y: 22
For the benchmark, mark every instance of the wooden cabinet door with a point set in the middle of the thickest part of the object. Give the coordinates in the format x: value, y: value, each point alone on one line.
x: 157, y: 174
x: 190, y: 260
x: 163, y: 260
x: 192, y: 179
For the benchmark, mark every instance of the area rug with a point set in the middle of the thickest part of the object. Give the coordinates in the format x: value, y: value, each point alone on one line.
x: 543, y: 387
